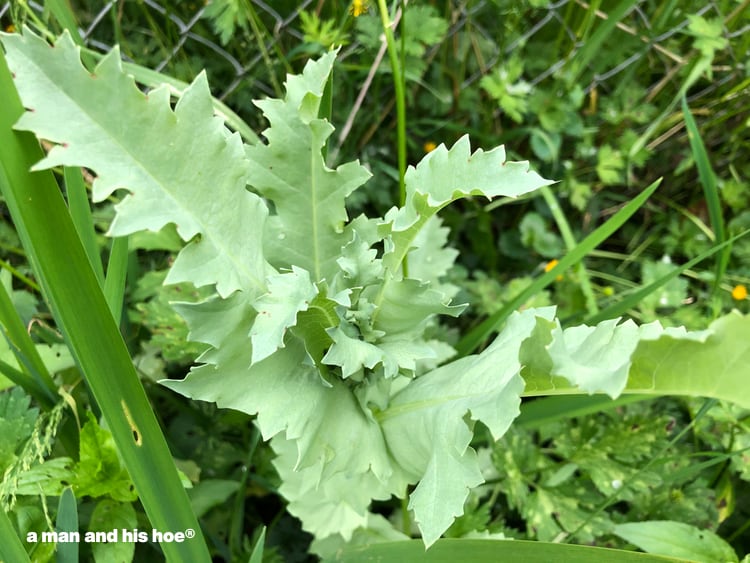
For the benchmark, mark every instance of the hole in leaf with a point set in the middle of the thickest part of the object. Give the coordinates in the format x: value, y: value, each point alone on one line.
x: 136, y: 433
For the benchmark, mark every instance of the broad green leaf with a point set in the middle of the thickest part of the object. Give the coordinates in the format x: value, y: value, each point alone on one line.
x: 536, y: 234
x: 425, y: 428
x: 442, y: 177
x: 288, y: 294
x: 16, y: 423
x: 314, y: 323
x: 47, y: 478
x: 610, y: 165
x: 288, y: 396
x: 676, y: 539
x: 215, y: 319
x: 211, y: 492
x: 430, y: 258
x: 598, y: 358
x: 308, y: 197
x: 172, y: 174
x: 358, y: 263
x: 717, y: 365
x: 112, y: 515
x: 99, y: 471
x: 338, y: 504
x: 711, y: 363
x: 352, y: 354
x: 327, y: 476
x: 708, y: 34
x: 394, y: 318
x: 376, y: 529
x: 71, y: 288
x: 672, y: 293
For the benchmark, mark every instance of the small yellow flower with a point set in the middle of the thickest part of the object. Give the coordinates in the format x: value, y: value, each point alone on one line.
x: 359, y: 7
x: 739, y: 293
x: 551, y: 264
x: 10, y: 28
x: 429, y: 146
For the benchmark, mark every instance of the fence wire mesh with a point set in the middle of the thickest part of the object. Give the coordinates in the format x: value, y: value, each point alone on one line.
x: 178, y: 39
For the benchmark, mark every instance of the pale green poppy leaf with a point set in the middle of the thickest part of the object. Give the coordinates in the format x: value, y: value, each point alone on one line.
x: 425, y: 423
x: 677, y: 539
x: 308, y: 197
x: 288, y: 294
x: 647, y: 359
x: 444, y: 176
x: 196, y: 181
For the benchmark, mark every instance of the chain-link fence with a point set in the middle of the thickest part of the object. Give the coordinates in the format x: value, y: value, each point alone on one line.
x: 191, y: 39
x: 247, y: 54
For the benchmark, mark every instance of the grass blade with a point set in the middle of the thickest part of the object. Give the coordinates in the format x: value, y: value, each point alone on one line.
x: 117, y: 271
x: 592, y: 45
x: 710, y: 189
x: 636, y: 297
x: 480, y: 551
x: 257, y: 555
x: 67, y: 522
x: 570, y: 244
x: 36, y: 379
x: 82, y: 314
x: 479, y: 334
x: 11, y: 548
x: 550, y: 409
x: 80, y: 212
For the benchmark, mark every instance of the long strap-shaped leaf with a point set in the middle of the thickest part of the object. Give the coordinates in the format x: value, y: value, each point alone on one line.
x: 81, y: 311
x: 482, y: 551
x: 11, y: 548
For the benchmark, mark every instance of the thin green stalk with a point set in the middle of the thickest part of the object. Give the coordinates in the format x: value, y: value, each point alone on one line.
x: 19, y: 276
x: 236, y: 530
x: 570, y: 244
x: 405, y: 518
x: 65, y: 16
x: 398, y: 84
x: 253, y: 19
x: 592, y: 47
x: 739, y: 532
x: 695, y: 72
x: 30, y: 13
x: 20, y: 379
